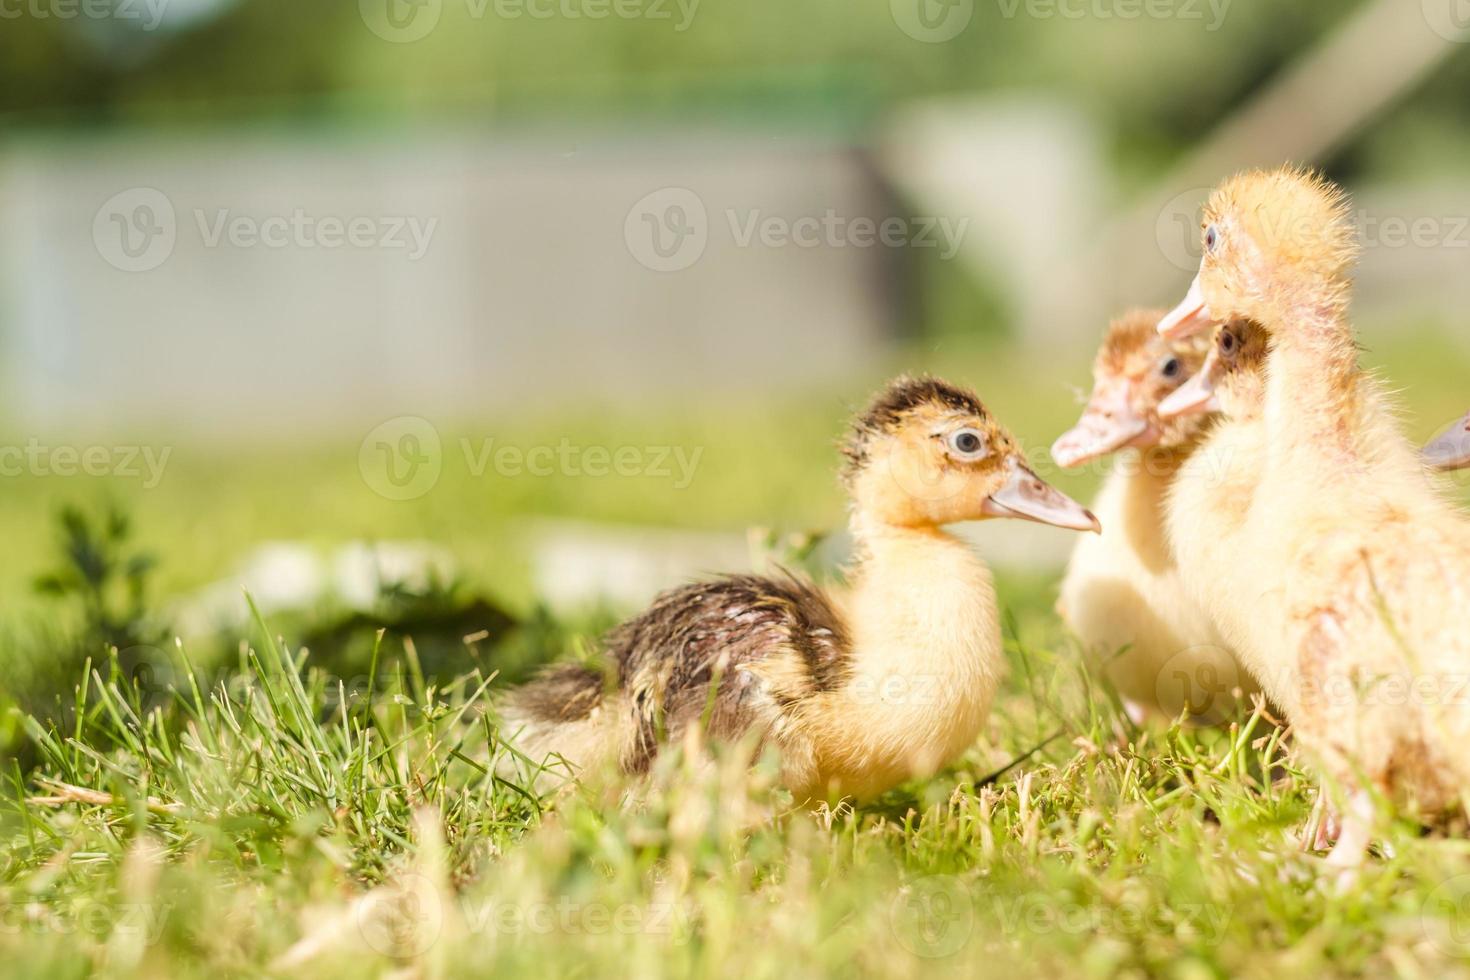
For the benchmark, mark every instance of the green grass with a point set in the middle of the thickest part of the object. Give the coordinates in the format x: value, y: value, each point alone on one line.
x: 272, y: 826
x: 276, y: 812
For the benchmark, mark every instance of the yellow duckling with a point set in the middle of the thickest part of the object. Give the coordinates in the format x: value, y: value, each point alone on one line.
x: 891, y: 681
x: 1336, y: 572
x: 1451, y: 451
x: 1122, y: 595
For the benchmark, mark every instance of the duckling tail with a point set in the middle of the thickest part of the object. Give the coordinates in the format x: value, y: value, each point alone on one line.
x: 560, y: 725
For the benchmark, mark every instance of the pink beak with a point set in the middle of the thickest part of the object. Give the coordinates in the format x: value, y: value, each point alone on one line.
x: 1189, y: 317
x: 1028, y: 497
x: 1451, y: 451
x: 1108, y: 424
x: 1198, y: 395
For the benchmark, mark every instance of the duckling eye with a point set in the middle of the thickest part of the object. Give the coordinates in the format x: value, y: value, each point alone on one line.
x: 1227, y: 342
x: 967, y: 444
x: 1212, y: 238
x: 1171, y: 368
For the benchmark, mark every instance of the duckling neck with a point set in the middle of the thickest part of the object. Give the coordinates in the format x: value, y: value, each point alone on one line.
x: 1143, y: 479
x: 924, y: 611
x: 1313, y: 387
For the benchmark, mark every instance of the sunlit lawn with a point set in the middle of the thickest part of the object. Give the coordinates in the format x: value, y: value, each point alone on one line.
x: 273, y: 825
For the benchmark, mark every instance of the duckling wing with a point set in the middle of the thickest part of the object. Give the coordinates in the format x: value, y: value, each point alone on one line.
x: 733, y: 654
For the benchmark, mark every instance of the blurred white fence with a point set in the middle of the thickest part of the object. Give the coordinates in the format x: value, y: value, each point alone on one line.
x: 283, y: 284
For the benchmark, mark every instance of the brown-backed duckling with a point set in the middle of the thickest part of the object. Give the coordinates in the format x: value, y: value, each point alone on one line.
x: 888, y: 680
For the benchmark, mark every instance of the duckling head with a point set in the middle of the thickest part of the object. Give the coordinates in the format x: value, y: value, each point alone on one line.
x: 928, y: 453
x: 1232, y: 380
x: 1276, y: 243
x: 1451, y: 451
x: 1135, y: 371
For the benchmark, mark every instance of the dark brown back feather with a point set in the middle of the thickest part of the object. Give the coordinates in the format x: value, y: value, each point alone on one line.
x: 681, y: 660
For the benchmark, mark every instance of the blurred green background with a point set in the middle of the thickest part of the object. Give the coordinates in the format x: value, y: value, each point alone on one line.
x: 1064, y: 136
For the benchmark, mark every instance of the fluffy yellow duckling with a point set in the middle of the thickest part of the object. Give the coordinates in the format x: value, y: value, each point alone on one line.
x: 1451, y: 451
x: 1336, y: 572
x: 891, y: 681
x: 1122, y: 595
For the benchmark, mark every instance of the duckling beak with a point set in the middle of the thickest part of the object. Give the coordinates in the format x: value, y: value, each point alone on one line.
x: 1109, y: 423
x: 1450, y: 451
x: 1028, y: 497
x: 1188, y: 318
x: 1199, y: 395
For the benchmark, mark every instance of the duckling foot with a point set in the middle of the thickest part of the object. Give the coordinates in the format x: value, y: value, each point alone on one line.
x: 1354, y: 839
x: 1323, y: 827
x: 1135, y: 711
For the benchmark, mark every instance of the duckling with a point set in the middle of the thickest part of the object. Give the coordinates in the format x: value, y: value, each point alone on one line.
x: 1336, y: 572
x: 1122, y: 595
x: 889, y: 680
x: 1451, y: 451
